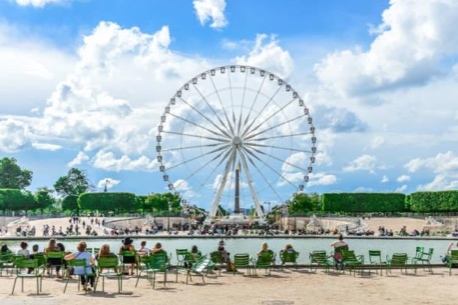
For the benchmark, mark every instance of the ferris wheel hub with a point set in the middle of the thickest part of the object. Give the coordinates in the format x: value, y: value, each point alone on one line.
x: 237, y: 140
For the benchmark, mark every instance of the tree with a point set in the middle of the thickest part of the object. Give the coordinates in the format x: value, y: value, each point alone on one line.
x: 160, y: 202
x: 12, y: 176
x: 16, y: 200
x: 73, y: 184
x: 300, y: 204
x: 44, y: 199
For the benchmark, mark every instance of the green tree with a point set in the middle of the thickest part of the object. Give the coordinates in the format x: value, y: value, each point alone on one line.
x: 73, y: 184
x: 16, y: 200
x: 43, y: 199
x: 160, y: 203
x: 12, y: 176
x: 70, y: 203
x: 300, y: 204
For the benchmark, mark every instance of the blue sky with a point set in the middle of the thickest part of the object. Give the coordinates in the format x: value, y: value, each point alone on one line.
x: 84, y: 84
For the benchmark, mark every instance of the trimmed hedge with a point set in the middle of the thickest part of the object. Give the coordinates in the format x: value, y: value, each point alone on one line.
x: 108, y: 201
x: 438, y: 201
x: 363, y: 202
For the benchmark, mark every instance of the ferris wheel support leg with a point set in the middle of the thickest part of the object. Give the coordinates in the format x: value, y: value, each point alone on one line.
x: 254, y: 195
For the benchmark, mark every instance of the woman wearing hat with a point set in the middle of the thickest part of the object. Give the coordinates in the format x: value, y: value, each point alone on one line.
x: 128, y: 259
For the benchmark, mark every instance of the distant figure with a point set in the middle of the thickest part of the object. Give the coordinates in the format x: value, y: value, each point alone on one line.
x: 143, y: 249
x: 265, y: 249
x: 24, y: 251
x: 157, y: 249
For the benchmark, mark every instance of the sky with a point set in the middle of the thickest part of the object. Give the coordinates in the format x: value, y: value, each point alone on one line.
x: 84, y: 83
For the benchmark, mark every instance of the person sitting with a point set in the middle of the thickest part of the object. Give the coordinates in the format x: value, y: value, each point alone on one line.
x: 53, y: 247
x: 338, y: 245
x: 23, y: 250
x: 132, y: 260
x: 288, y: 249
x: 143, y: 249
x: 446, y: 257
x: 157, y: 249
x: 265, y: 249
x: 81, y: 253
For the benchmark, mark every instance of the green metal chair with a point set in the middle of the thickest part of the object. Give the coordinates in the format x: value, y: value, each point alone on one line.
x: 75, y: 263
x: 452, y: 261
x: 319, y: 259
x: 289, y: 256
x: 55, y: 259
x: 264, y: 260
x: 128, y: 258
x: 157, y: 263
x: 203, y: 264
x: 218, y: 260
x: 22, y: 272
x: 425, y: 259
x: 181, y: 261
x: 351, y: 261
x: 375, y: 259
x: 242, y: 260
x: 104, y: 266
x: 398, y: 260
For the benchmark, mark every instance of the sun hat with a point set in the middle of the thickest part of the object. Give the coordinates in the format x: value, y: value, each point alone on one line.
x: 127, y: 241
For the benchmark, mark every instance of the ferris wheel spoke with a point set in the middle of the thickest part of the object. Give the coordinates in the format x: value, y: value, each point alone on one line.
x: 250, y: 136
x: 279, y: 147
x: 239, y: 125
x: 221, y: 104
x: 207, y: 119
x: 271, y: 168
x: 197, y: 125
x: 225, y: 140
x: 261, y: 111
x: 282, y: 136
x: 261, y: 173
x: 211, y: 108
x: 192, y: 147
x: 247, y: 118
x: 273, y: 157
x: 219, y: 150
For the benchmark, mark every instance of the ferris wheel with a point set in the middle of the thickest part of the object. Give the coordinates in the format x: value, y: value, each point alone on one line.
x: 236, y: 136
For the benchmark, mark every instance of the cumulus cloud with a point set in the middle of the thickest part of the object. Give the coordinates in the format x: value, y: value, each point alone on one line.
x: 107, y: 183
x: 39, y: 3
x: 321, y: 179
x: 108, y: 161
x: 403, y: 178
x: 443, y: 165
x: 406, y: 51
x: 338, y: 119
x: 80, y: 158
x: 16, y: 135
x: 385, y: 179
x: 268, y: 54
x: 211, y: 10
x: 362, y: 163
x: 440, y: 182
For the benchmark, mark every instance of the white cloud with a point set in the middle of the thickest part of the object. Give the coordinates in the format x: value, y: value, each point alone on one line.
x: 185, y: 189
x: 403, y: 178
x: 443, y: 163
x: 439, y: 183
x: 46, y: 146
x: 401, y: 189
x: 270, y: 56
x: 363, y: 189
x: 362, y: 163
x: 39, y: 3
x: 409, y: 45
x: 15, y: 135
x: 321, y: 179
x: 338, y: 119
x: 385, y: 179
x: 211, y: 10
x: 377, y: 142
x: 108, y: 183
x: 108, y: 161
x: 80, y: 158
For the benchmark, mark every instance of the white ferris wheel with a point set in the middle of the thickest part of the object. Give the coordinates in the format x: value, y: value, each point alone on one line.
x: 236, y: 136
